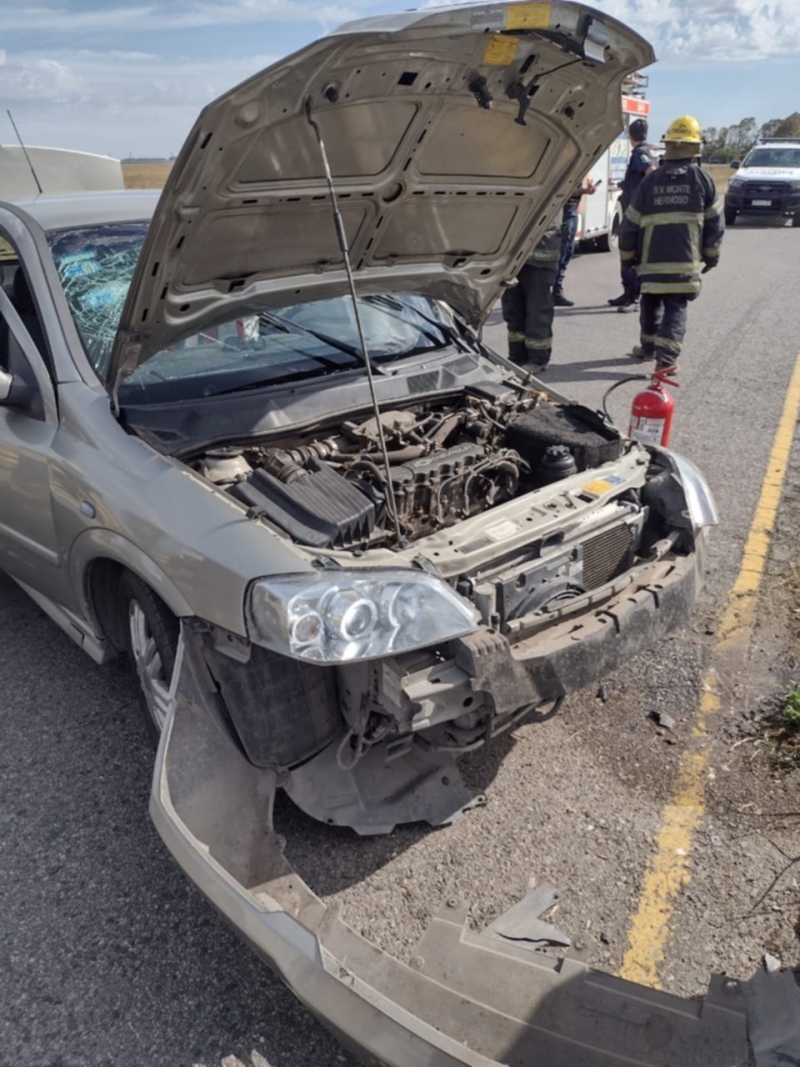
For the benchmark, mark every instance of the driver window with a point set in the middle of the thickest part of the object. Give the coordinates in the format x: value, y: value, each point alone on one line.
x: 12, y: 355
x: 14, y: 281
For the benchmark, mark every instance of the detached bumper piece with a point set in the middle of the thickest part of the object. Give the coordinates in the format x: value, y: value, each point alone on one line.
x: 470, y: 999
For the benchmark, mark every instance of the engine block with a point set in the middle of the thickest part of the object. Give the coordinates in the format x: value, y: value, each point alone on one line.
x: 440, y: 487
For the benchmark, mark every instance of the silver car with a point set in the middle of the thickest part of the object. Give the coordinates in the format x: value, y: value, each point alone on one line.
x: 339, y: 539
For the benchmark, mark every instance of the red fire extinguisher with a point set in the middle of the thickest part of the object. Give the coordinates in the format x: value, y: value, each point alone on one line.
x: 652, y: 410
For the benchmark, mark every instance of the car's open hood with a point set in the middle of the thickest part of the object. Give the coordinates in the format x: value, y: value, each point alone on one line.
x: 454, y: 136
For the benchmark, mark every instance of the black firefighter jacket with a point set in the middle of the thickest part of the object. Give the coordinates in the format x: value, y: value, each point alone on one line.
x: 547, y: 252
x: 674, y: 225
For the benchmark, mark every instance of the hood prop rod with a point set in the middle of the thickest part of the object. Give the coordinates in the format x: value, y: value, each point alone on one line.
x: 342, y: 238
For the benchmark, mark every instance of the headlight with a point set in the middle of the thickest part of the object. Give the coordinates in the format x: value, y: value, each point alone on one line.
x: 794, y: 186
x: 699, y: 501
x: 343, y: 616
x: 735, y: 180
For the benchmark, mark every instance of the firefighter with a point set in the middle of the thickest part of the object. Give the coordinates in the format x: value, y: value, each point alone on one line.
x: 641, y: 163
x: 673, y: 226
x: 528, y: 307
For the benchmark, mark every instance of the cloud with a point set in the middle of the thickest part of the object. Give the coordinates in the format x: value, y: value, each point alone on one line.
x: 122, y: 102
x: 689, y: 30
x: 66, y: 21
x: 684, y: 31
x: 102, y: 80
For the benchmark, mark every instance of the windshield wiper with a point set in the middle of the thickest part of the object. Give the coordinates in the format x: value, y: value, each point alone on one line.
x: 448, y: 333
x: 334, y: 342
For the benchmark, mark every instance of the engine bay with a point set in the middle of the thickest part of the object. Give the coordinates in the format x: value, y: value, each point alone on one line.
x: 445, y: 461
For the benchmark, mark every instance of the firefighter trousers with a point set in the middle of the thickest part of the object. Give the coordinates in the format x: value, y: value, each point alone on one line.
x: 528, y: 311
x: 630, y: 282
x: 662, y: 320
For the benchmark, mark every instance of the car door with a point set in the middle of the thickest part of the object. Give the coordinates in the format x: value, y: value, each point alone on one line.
x: 29, y: 549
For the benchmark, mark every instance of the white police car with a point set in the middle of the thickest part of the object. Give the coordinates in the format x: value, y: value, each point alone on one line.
x: 767, y: 182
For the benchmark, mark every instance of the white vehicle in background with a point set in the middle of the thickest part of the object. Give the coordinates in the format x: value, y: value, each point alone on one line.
x: 767, y: 182
x: 601, y: 214
x: 32, y: 170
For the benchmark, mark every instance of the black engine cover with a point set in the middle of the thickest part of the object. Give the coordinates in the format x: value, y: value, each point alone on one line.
x: 319, y: 508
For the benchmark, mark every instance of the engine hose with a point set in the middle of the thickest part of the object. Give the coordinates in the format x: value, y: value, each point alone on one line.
x: 373, y: 468
x: 504, y: 465
x: 445, y: 428
x: 616, y: 385
x: 403, y: 455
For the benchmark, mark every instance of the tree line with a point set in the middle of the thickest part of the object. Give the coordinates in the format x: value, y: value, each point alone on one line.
x: 734, y: 142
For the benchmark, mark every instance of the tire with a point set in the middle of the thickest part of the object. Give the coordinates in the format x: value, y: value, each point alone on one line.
x: 796, y: 220
x: 609, y: 242
x: 151, y: 640
x: 730, y: 216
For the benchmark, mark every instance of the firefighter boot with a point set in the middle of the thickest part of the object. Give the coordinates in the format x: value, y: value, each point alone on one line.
x: 666, y: 366
x: 642, y: 352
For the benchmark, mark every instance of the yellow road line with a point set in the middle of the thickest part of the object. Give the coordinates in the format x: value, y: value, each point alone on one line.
x: 668, y: 870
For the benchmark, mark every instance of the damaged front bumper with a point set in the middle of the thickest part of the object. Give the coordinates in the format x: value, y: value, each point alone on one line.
x: 370, y: 745
x: 542, y: 664
x: 473, y: 999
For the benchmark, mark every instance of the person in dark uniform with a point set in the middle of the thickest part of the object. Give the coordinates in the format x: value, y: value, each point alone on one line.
x: 674, y: 225
x: 528, y: 307
x: 569, y: 228
x: 640, y: 163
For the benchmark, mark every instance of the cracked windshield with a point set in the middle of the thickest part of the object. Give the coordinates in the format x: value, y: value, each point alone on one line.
x: 96, y: 266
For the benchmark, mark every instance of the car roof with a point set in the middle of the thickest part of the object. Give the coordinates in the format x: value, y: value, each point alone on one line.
x: 87, y: 209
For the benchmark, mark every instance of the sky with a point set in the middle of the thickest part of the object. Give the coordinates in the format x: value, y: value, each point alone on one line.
x: 129, y: 77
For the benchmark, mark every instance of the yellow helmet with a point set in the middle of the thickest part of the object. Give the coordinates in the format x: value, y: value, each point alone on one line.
x: 685, y: 130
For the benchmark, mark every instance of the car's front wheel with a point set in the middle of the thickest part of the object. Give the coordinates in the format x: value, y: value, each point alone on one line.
x: 151, y: 637
x: 730, y: 216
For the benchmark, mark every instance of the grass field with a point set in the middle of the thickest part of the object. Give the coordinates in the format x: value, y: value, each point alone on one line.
x: 720, y: 172
x: 145, y: 175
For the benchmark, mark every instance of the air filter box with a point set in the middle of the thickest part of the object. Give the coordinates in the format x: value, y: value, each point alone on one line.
x: 319, y: 508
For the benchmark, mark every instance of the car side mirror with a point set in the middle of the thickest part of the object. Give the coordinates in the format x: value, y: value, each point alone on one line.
x: 6, y: 385
x: 735, y: 164
x: 14, y: 392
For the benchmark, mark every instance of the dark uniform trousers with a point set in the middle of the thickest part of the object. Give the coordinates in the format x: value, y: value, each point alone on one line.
x: 662, y: 320
x: 528, y: 306
x: 528, y: 311
x: 630, y: 282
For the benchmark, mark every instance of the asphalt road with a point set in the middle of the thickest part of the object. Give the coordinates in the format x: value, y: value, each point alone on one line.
x: 108, y: 956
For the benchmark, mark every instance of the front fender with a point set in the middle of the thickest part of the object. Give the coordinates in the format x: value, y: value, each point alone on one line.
x: 97, y: 544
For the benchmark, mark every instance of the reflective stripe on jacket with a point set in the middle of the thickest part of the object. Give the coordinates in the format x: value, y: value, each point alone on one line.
x: 548, y: 251
x: 673, y: 226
